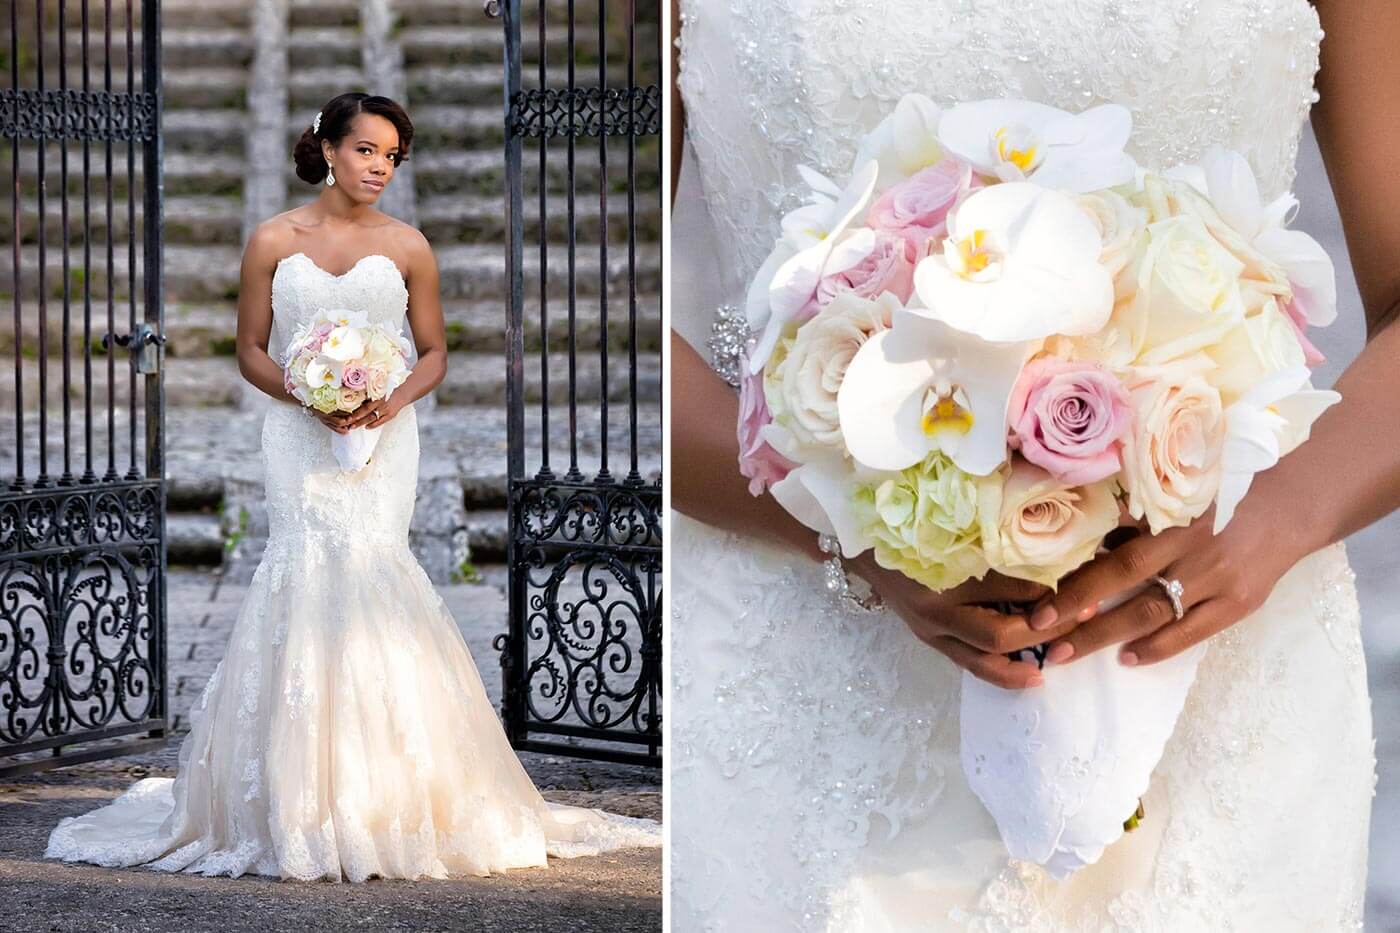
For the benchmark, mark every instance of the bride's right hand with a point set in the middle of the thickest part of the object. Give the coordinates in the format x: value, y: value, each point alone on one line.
x: 961, y: 624
x: 335, y: 420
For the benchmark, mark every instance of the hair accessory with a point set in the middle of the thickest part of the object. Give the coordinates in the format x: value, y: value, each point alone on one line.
x: 316, y: 123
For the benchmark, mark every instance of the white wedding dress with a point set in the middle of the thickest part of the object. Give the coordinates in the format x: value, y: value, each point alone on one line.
x: 346, y: 732
x: 815, y: 774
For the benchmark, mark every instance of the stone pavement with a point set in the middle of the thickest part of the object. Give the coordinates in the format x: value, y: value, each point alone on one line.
x: 616, y: 892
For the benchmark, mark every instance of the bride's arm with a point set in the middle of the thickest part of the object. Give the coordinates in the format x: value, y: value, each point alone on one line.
x: 1348, y: 474
x: 254, y: 328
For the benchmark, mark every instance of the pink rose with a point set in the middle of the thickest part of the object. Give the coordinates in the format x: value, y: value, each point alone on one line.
x: 1297, y: 316
x: 314, y: 342
x: 1069, y: 418
x: 758, y: 461
x: 354, y: 377
x: 917, y: 208
x: 324, y: 328
x: 886, y: 268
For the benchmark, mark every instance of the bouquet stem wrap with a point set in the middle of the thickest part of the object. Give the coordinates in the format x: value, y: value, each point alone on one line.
x: 354, y: 448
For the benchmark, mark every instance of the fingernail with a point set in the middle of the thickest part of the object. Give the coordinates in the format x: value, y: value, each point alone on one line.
x: 1128, y: 659
x: 1087, y: 613
x: 1058, y: 654
x: 1044, y: 617
x: 1036, y: 681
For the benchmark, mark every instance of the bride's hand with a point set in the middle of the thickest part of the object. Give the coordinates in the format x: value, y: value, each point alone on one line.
x: 373, y: 414
x: 1224, y: 578
x: 960, y: 624
x: 335, y: 420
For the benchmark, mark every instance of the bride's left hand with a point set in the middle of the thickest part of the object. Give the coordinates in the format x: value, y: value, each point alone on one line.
x: 1224, y: 578
x: 365, y: 416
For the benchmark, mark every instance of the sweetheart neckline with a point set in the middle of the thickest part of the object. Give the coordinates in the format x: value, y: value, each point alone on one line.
x: 356, y: 265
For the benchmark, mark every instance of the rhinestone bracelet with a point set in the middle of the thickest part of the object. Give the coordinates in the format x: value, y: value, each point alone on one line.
x: 838, y: 583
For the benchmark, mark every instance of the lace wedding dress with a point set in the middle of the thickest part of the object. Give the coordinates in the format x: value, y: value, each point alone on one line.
x: 346, y: 733
x: 815, y: 775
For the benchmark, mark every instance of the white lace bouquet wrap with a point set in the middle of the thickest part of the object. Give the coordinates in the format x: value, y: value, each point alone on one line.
x: 996, y: 330
x: 338, y: 361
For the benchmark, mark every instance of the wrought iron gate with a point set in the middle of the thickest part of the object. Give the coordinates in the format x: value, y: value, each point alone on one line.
x: 581, y: 662
x: 82, y: 544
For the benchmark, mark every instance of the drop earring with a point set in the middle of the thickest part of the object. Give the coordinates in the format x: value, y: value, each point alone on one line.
x: 330, y: 175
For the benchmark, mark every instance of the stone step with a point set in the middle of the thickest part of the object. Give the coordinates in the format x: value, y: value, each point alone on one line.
x: 210, y: 272
x: 205, y: 130
x: 203, y: 14
x: 324, y: 46
x: 213, y: 86
x: 322, y: 13
x: 477, y: 218
x: 459, y: 171
x: 478, y: 326
x: 204, y: 174
x: 189, y: 219
x: 193, y: 539
x: 446, y: 44
x: 194, y: 46
x: 479, y: 379
x: 308, y: 89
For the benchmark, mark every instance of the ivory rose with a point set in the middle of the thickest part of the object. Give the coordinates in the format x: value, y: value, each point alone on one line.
x: 1259, y: 346
x: 1068, y: 418
x: 1188, y: 293
x: 1121, y: 226
x: 1171, y: 457
x: 1035, y: 527
x: 809, y: 377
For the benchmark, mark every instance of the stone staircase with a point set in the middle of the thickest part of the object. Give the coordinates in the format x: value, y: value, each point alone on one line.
x: 242, y: 81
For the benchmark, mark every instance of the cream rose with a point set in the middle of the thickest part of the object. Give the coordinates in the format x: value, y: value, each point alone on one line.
x: 350, y: 399
x: 1121, y: 224
x: 810, y: 375
x: 1171, y: 458
x: 1261, y: 278
x: 1187, y: 292
x: 1259, y: 346
x: 1036, y: 528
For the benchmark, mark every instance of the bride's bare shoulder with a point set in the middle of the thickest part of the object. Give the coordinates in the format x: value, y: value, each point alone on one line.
x: 270, y: 241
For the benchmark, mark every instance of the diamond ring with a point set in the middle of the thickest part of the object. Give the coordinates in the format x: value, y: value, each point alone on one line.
x: 1174, y: 591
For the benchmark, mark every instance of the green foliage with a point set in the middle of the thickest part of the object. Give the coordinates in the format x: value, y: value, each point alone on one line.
x: 466, y: 572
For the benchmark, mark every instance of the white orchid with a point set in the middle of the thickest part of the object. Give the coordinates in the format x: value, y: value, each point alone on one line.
x: 1227, y: 180
x: 904, y: 142
x: 820, y: 494
x: 343, y: 344
x: 324, y: 371
x: 1267, y: 423
x: 1020, y: 263
x: 1018, y: 140
x: 923, y: 386
x: 812, y: 245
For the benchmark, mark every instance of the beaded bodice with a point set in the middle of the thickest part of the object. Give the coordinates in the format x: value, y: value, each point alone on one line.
x: 373, y: 285
x: 768, y: 86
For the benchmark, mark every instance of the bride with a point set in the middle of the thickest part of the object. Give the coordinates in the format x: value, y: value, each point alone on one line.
x: 346, y: 733
x: 815, y: 777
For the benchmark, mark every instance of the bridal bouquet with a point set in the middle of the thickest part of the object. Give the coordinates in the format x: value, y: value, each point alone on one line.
x: 996, y: 330
x: 337, y: 361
